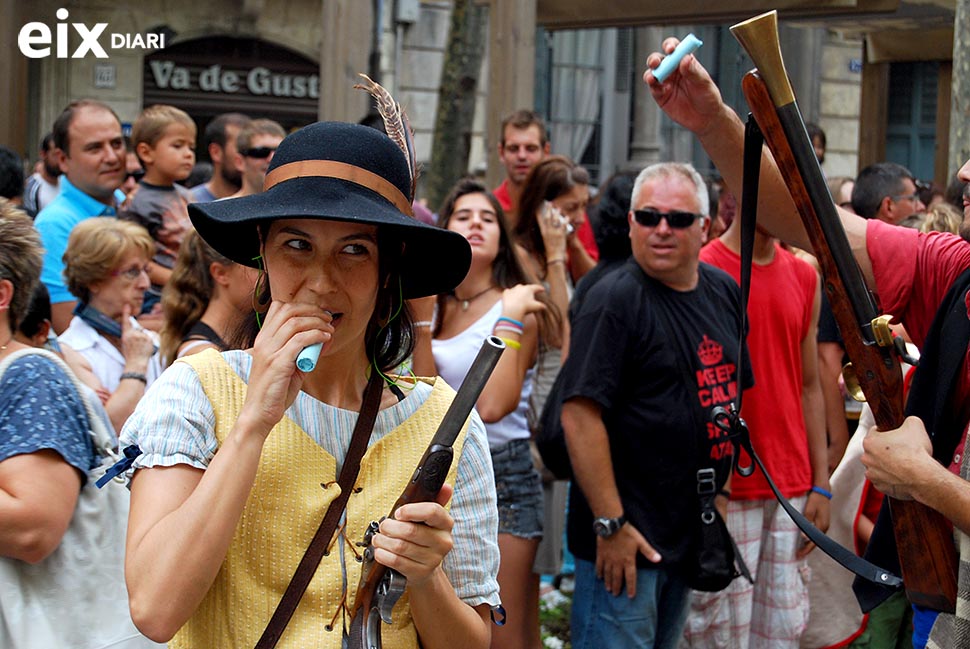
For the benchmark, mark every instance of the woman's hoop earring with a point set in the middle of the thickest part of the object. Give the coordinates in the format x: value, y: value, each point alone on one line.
x: 261, y: 293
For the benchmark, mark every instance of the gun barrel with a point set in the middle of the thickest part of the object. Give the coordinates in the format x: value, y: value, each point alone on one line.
x: 471, y: 388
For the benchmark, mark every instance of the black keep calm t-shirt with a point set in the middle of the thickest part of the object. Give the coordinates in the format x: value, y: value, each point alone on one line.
x: 657, y: 361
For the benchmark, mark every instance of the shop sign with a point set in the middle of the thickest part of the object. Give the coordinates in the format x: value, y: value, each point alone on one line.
x: 259, y: 81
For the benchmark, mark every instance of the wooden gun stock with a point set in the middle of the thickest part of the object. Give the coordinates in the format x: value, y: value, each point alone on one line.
x: 923, y: 536
x: 380, y: 587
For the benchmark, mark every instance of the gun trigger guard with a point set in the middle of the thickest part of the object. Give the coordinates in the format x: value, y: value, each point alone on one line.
x: 372, y: 528
x: 388, y: 592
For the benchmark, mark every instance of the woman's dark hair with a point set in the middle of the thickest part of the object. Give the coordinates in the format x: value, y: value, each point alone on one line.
x: 389, y: 337
x: 549, y: 179
x: 38, y: 310
x: 390, y: 332
x: 507, y: 270
x: 608, y: 216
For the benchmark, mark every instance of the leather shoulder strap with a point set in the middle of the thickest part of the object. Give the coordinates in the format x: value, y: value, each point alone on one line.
x: 321, y: 540
x: 729, y: 420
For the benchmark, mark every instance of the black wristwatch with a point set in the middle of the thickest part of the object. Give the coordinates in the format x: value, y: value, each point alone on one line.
x: 607, y: 527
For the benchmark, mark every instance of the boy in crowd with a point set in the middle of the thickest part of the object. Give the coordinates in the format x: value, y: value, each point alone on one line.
x: 164, y: 140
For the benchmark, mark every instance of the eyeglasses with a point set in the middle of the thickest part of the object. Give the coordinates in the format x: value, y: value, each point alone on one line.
x: 906, y: 197
x: 677, y: 220
x: 132, y: 273
x: 259, y: 152
x: 137, y: 175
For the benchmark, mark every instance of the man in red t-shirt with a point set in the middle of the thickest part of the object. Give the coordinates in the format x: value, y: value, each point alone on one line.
x: 524, y: 143
x: 785, y: 414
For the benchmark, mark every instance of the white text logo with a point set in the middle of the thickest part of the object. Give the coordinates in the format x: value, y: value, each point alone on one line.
x: 35, y: 40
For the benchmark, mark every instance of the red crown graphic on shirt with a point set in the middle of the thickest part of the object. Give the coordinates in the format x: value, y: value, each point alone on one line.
x: 710, y: 352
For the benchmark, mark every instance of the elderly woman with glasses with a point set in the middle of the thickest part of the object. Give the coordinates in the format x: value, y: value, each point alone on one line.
x: 106, y: 268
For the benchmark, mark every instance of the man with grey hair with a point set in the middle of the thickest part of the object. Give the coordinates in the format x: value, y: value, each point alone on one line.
x: 652, y: 353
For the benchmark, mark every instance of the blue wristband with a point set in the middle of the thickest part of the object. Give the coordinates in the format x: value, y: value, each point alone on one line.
x: 515, y: 322
x: 823, y: 492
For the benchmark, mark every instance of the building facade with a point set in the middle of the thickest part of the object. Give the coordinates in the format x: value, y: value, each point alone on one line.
x: 295, y: 61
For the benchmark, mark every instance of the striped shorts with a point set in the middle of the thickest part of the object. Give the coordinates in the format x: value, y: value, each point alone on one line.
x: 772, y: 613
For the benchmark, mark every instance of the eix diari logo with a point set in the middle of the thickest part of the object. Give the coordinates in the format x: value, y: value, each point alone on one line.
x: 35, y: 39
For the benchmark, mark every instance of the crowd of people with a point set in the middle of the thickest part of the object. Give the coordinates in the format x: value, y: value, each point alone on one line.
x: 160, y: 304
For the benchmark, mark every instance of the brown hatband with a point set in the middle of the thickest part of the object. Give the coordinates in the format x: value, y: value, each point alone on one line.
x: 341, y: 171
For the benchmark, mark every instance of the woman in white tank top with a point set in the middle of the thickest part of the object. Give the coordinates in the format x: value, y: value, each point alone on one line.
x: 496, y: 296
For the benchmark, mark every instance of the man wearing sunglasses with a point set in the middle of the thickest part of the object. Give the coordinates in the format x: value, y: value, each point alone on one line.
x: 886, y: 191
x: 652, y: 352
x: 255, y: 147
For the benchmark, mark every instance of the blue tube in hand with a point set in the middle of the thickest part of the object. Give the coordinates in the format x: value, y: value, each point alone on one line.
x: 307, y: 360
x: 687, y: 46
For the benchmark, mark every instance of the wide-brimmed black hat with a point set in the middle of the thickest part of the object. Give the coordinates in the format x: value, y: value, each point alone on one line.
x: 335, y: 171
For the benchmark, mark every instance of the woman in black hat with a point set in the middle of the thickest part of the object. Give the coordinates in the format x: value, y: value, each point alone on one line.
x: 214, y: 538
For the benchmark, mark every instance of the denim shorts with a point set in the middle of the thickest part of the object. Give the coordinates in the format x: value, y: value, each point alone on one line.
x: 518, y: 489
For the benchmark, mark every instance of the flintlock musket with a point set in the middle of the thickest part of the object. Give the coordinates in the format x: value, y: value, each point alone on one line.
x: 923, y: 536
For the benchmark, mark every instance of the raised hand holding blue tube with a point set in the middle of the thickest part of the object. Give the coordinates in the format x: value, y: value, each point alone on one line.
x: 687, y: 46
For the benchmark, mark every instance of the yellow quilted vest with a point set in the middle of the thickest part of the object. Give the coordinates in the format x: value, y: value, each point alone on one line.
x: 295, y: 483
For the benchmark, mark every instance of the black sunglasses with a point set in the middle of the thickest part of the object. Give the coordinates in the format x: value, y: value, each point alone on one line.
x: 259, y: 152
x: 137, y: 175
x: 677, y: 220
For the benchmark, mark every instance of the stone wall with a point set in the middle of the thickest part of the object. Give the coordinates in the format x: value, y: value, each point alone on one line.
x: 411, y: 65
x: 839, y: 94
